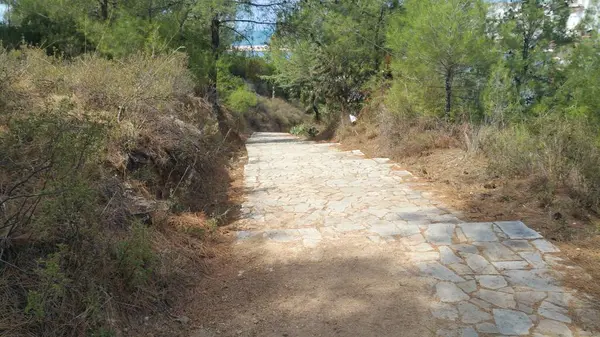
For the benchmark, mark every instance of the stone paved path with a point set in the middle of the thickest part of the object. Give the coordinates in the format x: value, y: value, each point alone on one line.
x: 481, y: 278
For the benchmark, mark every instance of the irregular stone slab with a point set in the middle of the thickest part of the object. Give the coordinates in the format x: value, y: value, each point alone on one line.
x: 487, y: 328
x: 535, y: 279
x: 469, y: 332
x: 439, y: 272
x: 470, y: 313
x: 424, y: 256
x: 283, y: 235
x: 449, y: 292
x: 510, y: 322
x: 461, y: 269
x: 422, y: 247
x: 518, y: 245
x: 447, y: 256
x: 544, y: 246
x: 511, y: 265
x: 348, y: 227
x: 479, y: 264
x: 559, y: 298
x: 480, y: 303
x: 460, y: 235
x: 479, y: 231
x: 310, y: 234
x: 517, y: 230
x: 524, y: 308
x: 244, y: 235
x: 464, y: 248
x: 535, y: 259
x: 382, y: 160
x: 502, y: 300
x: 554, y: 312
x: 439, y: 233
x: 491, y: 281
x: 530, y: 297
x: 496, y: 251
x: 444, y: 311
x: 385, y: 229
x: 468, y: 286
x: 413, y: 239
x: 552, y: 328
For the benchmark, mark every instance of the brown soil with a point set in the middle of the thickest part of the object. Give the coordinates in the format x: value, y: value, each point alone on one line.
x: 463, y: 181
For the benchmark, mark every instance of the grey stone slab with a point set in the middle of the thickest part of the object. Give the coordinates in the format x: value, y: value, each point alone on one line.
x: 469, y: 332
x: 530, y: 298
x: 479, y: 264
x: 517, y: 230
x: 491, y: 281
x: 244, y: 235
x: 468, y: 286
x: 562, y: 299
x: 487, y: 328
x: 524, y: 308
x: 535, y: 259
x: 449, y: 292
x: 424, y: 256
x: 283, y: 235
x: 534, y: 279
x: 518, y: 245
x: 448, y: 257
x: 479, y: 231
x: 547, y: 327
x: 444, y: 311
x: 511, y: 265
x: 470, y: 313
x: 465, y: 248
x: 554, y: 312
x: 348, y: 227
x: 500, y: 299
x: 438, y: 271
x: 388, y: 229
x: 461, y: 269
x: 310, y: 234
x: 480, y: 303
x: 496, y: 251
x: 511, y: 322
x: 439, y: 233
x: 422, y: 247
x: 544, y: 246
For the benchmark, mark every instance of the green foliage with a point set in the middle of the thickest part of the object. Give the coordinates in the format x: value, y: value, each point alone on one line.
x: 242, y: 100
x: 327, y: 51
x: 499, y: 97
x: 304, y: 130
x: 455, y: 48
x: 135, y: 256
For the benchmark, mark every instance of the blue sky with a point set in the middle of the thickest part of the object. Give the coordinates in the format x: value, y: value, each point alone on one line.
x: 2, y: 10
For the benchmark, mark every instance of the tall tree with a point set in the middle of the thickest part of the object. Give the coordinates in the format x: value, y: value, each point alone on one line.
x: 436, y: 42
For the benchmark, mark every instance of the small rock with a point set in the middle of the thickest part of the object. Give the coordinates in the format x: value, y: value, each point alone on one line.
x: 183, y: 319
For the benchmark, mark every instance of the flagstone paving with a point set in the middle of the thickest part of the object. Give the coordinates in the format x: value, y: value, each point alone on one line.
x: 487, y: 278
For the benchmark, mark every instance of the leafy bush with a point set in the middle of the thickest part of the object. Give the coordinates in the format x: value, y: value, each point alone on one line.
x: 304, y: 130
x: 242, y: 100
x: 93, y: 154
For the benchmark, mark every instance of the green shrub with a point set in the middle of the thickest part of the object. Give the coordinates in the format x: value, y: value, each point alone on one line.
x: 304, y: 130
x: 242, y: 100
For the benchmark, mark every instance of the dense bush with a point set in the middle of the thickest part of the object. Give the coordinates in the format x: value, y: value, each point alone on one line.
x: 96, y: 156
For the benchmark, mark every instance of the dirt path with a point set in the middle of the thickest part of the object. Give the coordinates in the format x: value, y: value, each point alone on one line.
x: 333, y: 244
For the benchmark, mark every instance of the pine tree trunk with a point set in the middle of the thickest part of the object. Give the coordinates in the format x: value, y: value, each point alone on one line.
x: 449, y: 74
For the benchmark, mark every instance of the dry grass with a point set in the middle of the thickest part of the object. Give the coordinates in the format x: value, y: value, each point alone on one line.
x: 462, y: 164
x: 113, y: 180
